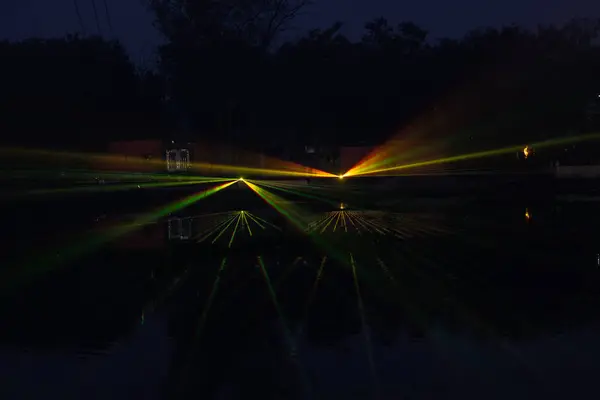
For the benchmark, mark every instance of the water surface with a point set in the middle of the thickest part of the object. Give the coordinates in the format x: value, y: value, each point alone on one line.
x: 466, y: 301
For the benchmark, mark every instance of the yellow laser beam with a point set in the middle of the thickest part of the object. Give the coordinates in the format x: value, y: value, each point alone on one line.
x: 365, y: 169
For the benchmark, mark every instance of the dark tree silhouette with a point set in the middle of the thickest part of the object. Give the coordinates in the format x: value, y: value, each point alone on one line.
x: 256, y: 22
x: 222, y: 73
x: 492, y: 87
x: 75, y: 92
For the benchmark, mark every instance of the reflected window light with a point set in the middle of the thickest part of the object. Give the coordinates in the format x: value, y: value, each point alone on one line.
x: 179, y: 229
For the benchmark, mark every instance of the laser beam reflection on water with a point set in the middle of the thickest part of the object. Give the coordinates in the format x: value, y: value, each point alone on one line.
x: 286, y: 331
x: 237, y: 221
x: 311, y: 297
x: 290, y: 342
x: 11, y: 278
x: 209, y: 301
x: 369, y: 222
x: 445, y: 286
x: 365, y: 329
x: 183, y: 378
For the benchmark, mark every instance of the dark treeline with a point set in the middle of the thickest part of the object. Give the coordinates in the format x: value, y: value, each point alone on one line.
x: 74, y: 92
x: 222, y: 74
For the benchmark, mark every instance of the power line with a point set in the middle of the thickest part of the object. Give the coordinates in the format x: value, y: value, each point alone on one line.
x: 108, y: 20
x: 81, y: 25
x: 96, y: 17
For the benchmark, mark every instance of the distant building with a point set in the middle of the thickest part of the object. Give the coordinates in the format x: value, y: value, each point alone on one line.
x: 581, y: 160
x: 592, y: 114
x: 133, y: 156
x: 174, y: 156
x: 145, y: 156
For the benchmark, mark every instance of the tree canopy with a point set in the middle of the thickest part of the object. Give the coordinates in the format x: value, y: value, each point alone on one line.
x: 226, y: 73
x: 501, y: 85
x: 74, y: 92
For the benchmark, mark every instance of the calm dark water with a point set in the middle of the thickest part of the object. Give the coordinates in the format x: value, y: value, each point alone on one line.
x: 440, y: 301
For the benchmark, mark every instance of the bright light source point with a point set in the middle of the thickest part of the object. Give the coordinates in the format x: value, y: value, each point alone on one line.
x: 340, y: 176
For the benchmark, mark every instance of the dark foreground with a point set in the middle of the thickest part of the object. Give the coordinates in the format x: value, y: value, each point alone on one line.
x: 472, y: 300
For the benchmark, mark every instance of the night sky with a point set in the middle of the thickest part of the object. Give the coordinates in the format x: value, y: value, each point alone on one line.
x: 132, y: 24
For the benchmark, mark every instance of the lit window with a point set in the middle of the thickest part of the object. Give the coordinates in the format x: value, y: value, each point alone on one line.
x: 178, y: 160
